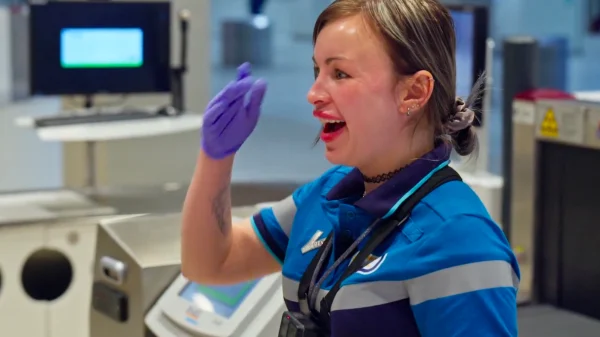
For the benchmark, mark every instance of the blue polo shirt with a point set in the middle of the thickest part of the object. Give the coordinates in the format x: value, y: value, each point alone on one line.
x: 449, y: 272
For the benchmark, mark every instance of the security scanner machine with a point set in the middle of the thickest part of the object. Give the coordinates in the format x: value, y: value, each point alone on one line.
x: 530, y: 65
x: 554, y: 213
x: 136, y: 257
x: 567, y: 234
x: 138, y: 290
x: 248, y: 309
x: 522, y: 191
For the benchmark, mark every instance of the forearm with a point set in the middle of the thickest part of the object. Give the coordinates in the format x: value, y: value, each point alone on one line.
x: 206, y: 228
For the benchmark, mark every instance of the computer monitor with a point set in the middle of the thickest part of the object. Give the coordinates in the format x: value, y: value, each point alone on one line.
x: 91, y: 47
x: 471, y: 25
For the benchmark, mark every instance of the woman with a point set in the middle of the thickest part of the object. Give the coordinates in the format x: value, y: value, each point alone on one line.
x: 384, y: 91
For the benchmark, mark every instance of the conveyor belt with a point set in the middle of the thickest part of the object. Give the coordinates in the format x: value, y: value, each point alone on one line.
x: 547, y: 321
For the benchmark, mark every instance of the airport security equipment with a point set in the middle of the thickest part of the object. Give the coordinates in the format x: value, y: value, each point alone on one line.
x: 138, y: 290
x: 247, y: 309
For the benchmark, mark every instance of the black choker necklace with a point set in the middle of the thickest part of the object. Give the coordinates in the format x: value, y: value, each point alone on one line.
x: 381, y: 177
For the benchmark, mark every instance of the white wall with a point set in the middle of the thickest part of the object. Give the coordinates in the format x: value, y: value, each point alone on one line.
x: 555, y: 17
x: 5, y: 74
x: 505, y: 18
x: 25, y: 161
x: 540, y: 18
x: 303, y: 14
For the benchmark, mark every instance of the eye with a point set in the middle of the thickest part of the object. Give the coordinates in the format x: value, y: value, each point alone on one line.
x: 340, y: 75
x: 316, y: 71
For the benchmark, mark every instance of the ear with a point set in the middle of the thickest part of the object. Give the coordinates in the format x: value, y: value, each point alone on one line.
x: 417, y: 91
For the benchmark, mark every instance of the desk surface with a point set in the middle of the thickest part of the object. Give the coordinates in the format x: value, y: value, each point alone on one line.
x: 116, y: 130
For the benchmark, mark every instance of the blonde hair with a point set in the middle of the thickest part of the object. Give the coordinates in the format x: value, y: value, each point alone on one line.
x: 418, y: 35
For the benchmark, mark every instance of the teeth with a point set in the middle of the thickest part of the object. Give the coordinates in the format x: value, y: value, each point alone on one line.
x: 329, y: 121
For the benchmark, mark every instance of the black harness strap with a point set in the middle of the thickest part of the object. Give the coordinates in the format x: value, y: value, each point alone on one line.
x: 381, y: 232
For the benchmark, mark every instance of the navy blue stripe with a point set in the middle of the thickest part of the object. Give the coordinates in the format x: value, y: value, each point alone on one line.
x: 268, y: 238
x: 386, y: 320
x: 292, y: 306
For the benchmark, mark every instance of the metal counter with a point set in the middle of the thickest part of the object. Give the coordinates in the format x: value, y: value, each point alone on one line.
x: 22, y: 207
x: 170, y: 197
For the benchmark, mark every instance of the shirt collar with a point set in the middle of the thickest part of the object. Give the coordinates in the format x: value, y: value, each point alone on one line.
x: 380, y: 201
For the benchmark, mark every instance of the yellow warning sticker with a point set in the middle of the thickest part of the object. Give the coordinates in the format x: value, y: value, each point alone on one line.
x: 549, y: 127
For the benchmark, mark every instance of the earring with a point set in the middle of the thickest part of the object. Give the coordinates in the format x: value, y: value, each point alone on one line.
x: 412, y: 107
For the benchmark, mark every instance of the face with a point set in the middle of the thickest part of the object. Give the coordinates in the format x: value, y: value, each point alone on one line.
x: 356, y: 94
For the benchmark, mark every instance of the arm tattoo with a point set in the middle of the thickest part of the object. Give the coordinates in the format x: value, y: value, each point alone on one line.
x: 220, y: 209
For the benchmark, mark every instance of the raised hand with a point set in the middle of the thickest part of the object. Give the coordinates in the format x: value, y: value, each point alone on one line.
x: 231, y: 116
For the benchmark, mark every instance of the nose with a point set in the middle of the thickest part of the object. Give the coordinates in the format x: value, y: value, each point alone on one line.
x: 316, y: 94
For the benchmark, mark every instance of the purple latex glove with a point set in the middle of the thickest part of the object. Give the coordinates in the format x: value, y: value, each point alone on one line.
x: 232, y: 115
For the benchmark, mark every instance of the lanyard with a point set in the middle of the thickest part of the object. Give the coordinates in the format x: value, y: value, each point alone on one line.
x: 325, y: 253
x: 379, y: 230
x: 308, y: 289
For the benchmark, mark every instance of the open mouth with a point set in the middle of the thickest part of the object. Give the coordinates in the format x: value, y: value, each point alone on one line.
x: 331, y: 127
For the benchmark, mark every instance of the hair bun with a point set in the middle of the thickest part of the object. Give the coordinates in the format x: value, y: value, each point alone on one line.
x: 459, y: 122
x: 461, y: 118
x: 458, y: 127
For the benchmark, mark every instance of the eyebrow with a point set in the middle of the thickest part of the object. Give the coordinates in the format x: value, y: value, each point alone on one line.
x: 330, y: 59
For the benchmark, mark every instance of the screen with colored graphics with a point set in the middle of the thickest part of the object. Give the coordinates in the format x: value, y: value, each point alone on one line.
x: 222, y: 300
x: 101, y: 47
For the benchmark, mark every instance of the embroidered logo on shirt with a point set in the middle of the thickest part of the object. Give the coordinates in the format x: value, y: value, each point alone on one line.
x: 371, y: 264
x: 313, y: 243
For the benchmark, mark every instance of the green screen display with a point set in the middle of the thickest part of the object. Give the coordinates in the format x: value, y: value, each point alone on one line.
x: 101, y: 48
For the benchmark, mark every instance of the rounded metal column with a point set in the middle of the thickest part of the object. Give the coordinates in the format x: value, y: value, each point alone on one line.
x: 520, y: 73
x: 247, y: 40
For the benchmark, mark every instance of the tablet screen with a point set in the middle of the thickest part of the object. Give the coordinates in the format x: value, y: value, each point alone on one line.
x: 221, y: 300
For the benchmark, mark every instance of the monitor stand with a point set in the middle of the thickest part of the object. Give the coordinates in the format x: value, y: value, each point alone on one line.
x: 177, y: 76
x: 90, y: 149
x: 177, y: 97
x: 177, y: 105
